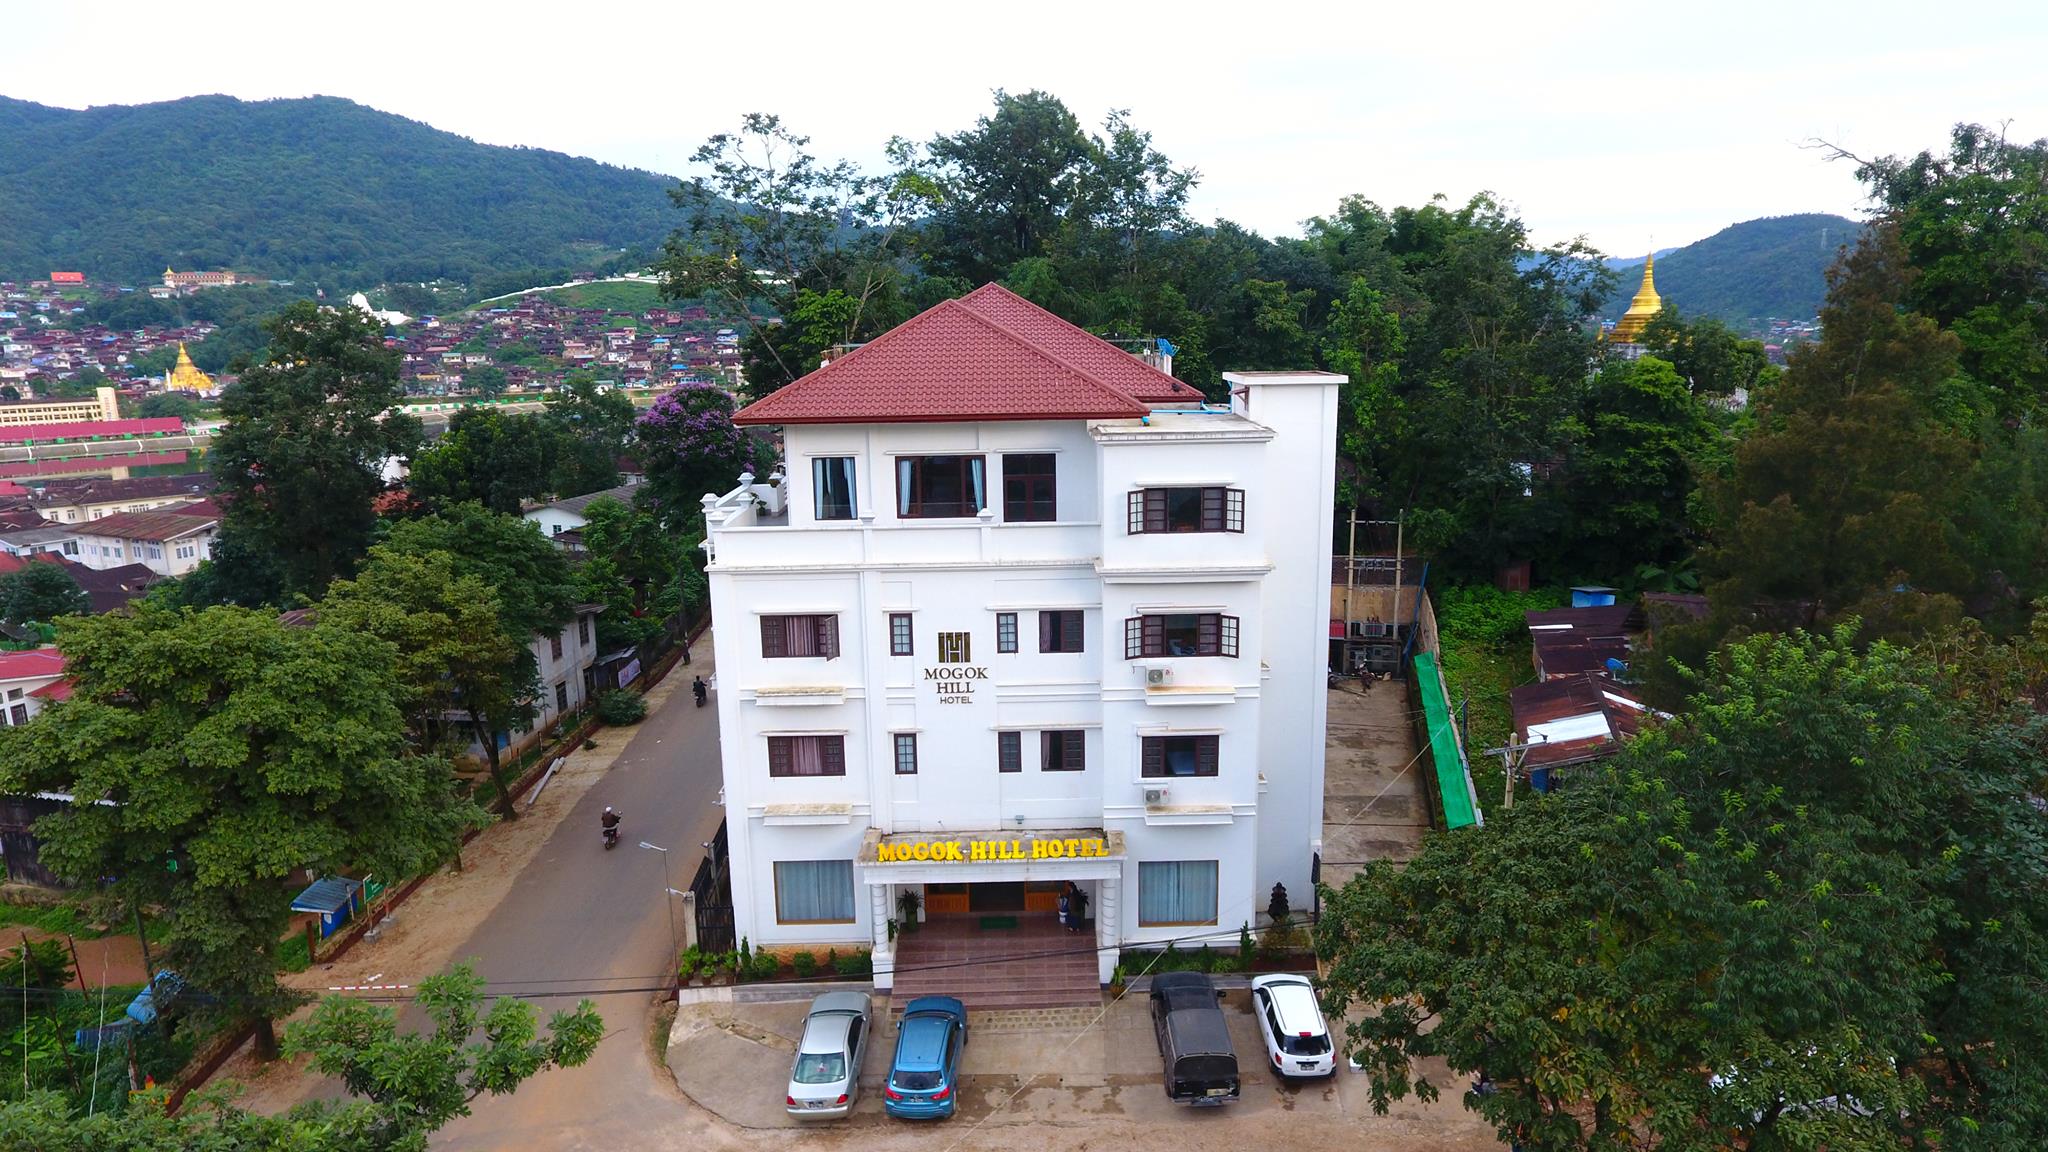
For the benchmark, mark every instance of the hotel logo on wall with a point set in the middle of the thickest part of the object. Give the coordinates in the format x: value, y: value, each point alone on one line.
x: 955, y: 675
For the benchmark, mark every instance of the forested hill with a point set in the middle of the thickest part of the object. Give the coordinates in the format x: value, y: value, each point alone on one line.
x: 318, y: 189
x: 1773, y: 267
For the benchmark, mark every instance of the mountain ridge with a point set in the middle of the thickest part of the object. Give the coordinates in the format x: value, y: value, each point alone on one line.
x: 1773, y: 266
x: 315, y: 187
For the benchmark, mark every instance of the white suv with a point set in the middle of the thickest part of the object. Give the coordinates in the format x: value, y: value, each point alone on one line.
x: 1291, y: 1022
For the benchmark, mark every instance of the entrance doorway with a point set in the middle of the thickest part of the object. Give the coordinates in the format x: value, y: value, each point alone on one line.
x: 1036, y: 896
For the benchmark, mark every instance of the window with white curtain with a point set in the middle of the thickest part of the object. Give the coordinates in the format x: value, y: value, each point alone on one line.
x: 806, y: 756
x: 832, y: 484
x: 1176, y: 892
x: 814, y: 891
x: 936, y: 486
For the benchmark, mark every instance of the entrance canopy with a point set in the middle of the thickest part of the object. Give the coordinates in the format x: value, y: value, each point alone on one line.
x: 941, y: 857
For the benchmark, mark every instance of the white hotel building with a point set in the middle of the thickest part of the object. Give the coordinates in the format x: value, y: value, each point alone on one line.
x: 1020, y: 611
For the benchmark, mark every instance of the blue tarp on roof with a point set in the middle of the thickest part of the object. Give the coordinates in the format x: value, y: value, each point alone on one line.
x: 327, y: 895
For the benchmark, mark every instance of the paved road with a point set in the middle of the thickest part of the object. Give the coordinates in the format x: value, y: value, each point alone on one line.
x: 581, y: 918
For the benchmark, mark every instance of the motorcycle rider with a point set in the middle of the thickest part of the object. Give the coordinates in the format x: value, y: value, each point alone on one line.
x: 698, y: 689
x: 610, y: 820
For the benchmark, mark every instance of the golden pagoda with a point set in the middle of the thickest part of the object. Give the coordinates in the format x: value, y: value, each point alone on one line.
x: 186, y: 376
x: 1645, y: 306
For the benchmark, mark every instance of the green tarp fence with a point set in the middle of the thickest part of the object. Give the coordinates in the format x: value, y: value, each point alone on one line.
x: 1453, y: 778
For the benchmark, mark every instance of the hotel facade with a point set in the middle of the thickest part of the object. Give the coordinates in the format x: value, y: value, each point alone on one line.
x: 1019, y: 611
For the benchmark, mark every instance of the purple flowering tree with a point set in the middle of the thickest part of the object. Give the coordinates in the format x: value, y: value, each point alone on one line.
x: 690, y: 446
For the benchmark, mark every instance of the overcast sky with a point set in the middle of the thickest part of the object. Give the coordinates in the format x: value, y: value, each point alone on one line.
x: 1652, y: 123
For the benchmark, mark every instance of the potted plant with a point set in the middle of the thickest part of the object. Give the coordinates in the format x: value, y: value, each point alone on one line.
x: 1117, y: 976
x: 908, y: 903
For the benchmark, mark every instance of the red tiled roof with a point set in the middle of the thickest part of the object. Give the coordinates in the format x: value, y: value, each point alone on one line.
x: 958, y: 362
x: 33, y: 662
x: 92, y: 429
x: 55, y: 690
x: 1106, y: 361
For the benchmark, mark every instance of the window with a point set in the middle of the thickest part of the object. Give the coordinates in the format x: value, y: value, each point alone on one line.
x: 906, y: 753
x: 562, y: 696
x: 1006, y: 631
x: 814, y: 891
x: 71, y: 548
x: 1176, y: 892
x: 1029, y: 483
x: 555, y: 646
x: 1185, y: 510
x: 955, y: 647
x: 1009, y: 751
x: 1060, y: 631
x: 1062, y: 751
x: 558, y: 529
x: 832, y: 487
x: 1179, y: 756
x: 18, y: 715
x: 899, y: 633
x: 928, y: 486
x: 1180, y: 634
x: 784, y: 636
x: 807, y: 756
x: 583, y: 631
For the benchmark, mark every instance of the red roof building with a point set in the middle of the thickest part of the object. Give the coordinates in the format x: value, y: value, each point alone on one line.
x: 990, y: 355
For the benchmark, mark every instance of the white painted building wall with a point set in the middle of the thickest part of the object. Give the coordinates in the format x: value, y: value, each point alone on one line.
x: 1258, y: 817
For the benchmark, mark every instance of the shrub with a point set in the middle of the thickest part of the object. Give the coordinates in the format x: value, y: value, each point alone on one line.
x: 804, y: 964
x: 618, y: 708
x: 861, y: 963
x: 1246, y: 950
x: 1205, y: 960
x: 691, y: 962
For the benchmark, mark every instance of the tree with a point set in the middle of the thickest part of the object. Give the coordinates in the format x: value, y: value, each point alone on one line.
x: 1970, y: 223
x: 1632, y: 467
x: 634, y: 566
x: 79, y: 384
x: 169, y: 405
x: 1773, y: 901
x: 690, y: 446
x: 485, y: 380
x: 416, y: 1083
x: 40, y: 592
x: 1006, y: 185
x: 1708, y: 355
x: 1848, y: 486
x: 536, y: 594
x: 594, y: 428
x: 443, y: 625
x: 770, y: 221
x: 300, y: 459
x: 489, y: 457
x: 234, y: 754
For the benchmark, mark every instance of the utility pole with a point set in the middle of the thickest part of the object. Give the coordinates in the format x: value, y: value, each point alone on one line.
x: 1511, y: 756
x: 1350, y: 586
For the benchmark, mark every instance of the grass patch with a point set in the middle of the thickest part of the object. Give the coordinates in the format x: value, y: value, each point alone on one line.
x: 292, y: 954
x: 1485, y: 653
x: 59, y: 920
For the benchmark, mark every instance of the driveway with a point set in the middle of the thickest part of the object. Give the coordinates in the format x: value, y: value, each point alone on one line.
x: 581, y: 921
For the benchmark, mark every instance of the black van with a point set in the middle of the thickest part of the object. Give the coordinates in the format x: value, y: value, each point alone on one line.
x: 1194, y: 1040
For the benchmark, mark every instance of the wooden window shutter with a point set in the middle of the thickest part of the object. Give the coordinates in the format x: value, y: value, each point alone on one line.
x: 778, y: 756
x: 1155, y: 635
x: 1070, y: 632
x: 1233, y: 510
x: 1153, y: 762
x: 834, y: 754
x: 1205, y: 755
x: 1134, y: 513
x: 1212, y: 509
x: 1155, y: 509
x: 1227, y: 641
x: 1076, y: 748
x: 828, y: 635
x: 771, y: 637
x: 1208, y: 641
x: 1134, y: 637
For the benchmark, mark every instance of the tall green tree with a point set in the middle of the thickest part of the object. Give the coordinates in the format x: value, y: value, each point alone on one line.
x: 1006, y: 185
x: 486, y: 380
x: 299, y: 461
x: 1805, y: 915
x: 216, y: 756
x: 1708, y: 355
x: 640, y: 570
x: 1848, y: 486
x: 40, y: 592
x: 1641, y: 434
x: 594, y: 428
x: 536, y: 594
x: 489, y: 457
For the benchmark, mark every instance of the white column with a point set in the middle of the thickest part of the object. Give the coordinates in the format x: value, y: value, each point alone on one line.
x: 1108, y: 924
x: 880, y: 897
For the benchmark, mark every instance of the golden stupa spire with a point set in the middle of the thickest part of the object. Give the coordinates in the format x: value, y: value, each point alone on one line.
x: 1642, y: 308
x: 185, y: 376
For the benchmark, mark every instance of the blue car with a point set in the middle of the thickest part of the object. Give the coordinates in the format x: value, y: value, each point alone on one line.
x: 924, y: 1078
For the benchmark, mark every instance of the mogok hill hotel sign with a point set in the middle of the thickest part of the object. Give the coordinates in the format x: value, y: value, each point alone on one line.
x: 955, y: 676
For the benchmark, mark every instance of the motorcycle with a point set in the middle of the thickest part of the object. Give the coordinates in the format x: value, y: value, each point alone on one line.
x: 611, y: 839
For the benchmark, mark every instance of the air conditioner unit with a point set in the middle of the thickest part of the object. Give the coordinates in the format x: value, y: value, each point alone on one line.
x: 1158, y: 677
x: 1370, y: 629
x: 1155, y: 795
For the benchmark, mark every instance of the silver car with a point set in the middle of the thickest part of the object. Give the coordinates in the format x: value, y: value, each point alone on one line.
x: 824, y: 1079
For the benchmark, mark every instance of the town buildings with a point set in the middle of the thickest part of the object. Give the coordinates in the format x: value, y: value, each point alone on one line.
x: 169, y: 541
x: 103, y: 405
x: 1021, y: 611
x: 563, y: 521
x: 28, y: 680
